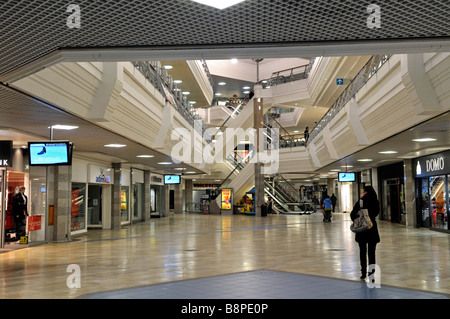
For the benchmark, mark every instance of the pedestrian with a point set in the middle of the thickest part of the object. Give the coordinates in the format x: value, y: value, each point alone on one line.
x: 327, y: 209
x: 333, y: 201
x: 269, y: 206
x: 20, y: 211
x: 306, y: 134
x: 315, y: 203
x: 368, y: 239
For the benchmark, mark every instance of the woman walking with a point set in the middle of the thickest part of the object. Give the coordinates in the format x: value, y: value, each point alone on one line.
x: 368, y: 239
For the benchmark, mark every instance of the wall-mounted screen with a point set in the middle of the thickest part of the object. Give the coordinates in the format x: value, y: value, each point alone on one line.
x: 347, y: 177
x: 50, y: 153
x: 172, y: 179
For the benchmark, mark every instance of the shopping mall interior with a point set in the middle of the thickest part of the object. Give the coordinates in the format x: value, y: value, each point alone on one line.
x: 184, y: 149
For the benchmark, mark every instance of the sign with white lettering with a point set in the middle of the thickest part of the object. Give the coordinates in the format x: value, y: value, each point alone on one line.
x: 6, y: 152
x: 436, y: 164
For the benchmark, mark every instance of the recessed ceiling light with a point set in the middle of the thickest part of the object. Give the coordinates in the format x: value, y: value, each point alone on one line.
x: 219, y: 4
x: 191, y: 172
x: 246, y: 92
x: 388, y: 152
x: 246, y: 88
x: 164, y: 163
x: 335, y: 170
x: 365, y: 160
x: 347, y: 166
x: 218, y: 94
x: 177, y: 81
x: 186, y: 93
x: 234, y: 61
x: 115, y: 145
x: 222, y: 83
x: 145, y: 156
x: 179, y: 168
x: 168, y: 67
x: 426, y: 139
x: 296, y: 131
x: 192, y: 102
x: 64, y: 127
x: 217, y: 180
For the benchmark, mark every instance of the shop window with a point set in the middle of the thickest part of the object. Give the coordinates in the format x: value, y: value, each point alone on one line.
x: 78, y: 207
x: 438, y: 202
x: 124, y: 203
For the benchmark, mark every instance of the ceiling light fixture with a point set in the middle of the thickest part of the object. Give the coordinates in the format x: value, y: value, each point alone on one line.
x: 177, y: 81
x: 168, y: 67
x: 234, y: 61
x: 145, y: 156
x: 64, y: 127
x: 365, y: 160
x: 186, y: 93
x: 222, y: 83
x: 165, y: 163
x: 388, y: 152
x: 115, y: 145
x: 426, y: 139
x: 218, y: 94
x: 223, y: 4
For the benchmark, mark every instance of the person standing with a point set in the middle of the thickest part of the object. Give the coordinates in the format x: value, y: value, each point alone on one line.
x: 333, y: 201
x: 327, y: 209
x: 315, y: 203
x: 306, y: 134
x: 20, y: 211
x: 368, y: 239
x: 269, y: 206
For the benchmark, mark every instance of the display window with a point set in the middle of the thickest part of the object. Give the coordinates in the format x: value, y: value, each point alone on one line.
x: 124, y: 203
x: 438, y: 201
x: 78, y: 207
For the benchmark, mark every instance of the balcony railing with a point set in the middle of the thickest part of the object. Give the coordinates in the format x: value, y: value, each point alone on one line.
x: 163, y: 82
x: 369, y: 69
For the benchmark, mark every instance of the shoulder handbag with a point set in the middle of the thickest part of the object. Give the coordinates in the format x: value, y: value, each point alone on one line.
x: 362, y: 222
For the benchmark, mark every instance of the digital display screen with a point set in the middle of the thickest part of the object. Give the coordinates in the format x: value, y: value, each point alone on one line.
x: 347, y: 177
x: 50, y: 153
x: 172, y: 179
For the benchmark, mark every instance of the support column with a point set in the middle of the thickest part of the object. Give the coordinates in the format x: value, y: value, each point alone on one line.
x: 59, y: 190
x: 178, y: 198
x: 188, y: 191
x: 259, y: 148
x: 410, y: 198
x: 147, y: 208
x: 116, y: 199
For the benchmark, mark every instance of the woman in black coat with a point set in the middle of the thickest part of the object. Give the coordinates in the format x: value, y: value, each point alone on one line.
x: 368, y: 239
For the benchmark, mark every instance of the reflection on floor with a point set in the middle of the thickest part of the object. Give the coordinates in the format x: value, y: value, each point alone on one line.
x: 207, y: 247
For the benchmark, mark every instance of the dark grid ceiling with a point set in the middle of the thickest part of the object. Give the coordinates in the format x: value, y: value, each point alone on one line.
x: 34, y: 28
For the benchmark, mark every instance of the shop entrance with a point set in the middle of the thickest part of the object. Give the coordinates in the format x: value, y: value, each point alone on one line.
x: 95, y: 194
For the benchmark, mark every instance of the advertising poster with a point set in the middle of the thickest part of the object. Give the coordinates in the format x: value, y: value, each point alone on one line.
x: 226, y: 198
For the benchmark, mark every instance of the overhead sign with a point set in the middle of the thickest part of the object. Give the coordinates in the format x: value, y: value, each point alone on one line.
x: 432, y: 165
x: 6, y: 152
x: 339, y: 81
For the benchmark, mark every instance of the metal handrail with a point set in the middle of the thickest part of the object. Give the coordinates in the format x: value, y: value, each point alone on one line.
x: 158, y: 77
x: 369, y: 69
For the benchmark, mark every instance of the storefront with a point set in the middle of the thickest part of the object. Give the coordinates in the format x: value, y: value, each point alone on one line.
x: 15, y: 173
x: 432, y: 175
x: 137, y: 177
x: 392, y: 193
x: 157, y: 195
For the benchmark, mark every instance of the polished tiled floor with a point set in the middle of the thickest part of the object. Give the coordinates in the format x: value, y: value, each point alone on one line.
x: 190, y: 255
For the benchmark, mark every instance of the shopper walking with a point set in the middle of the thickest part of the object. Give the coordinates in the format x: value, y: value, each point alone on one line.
x: 333, y: 201
x: 327, y: 209
x: 367, y: 240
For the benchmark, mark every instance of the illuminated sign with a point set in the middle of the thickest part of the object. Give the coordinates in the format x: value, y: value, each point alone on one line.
x: 226, y: 199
